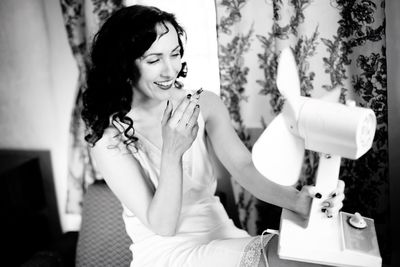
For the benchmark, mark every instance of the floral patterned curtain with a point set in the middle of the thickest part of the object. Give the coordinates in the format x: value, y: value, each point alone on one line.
x: 339, y: 47
x: 82, y: 19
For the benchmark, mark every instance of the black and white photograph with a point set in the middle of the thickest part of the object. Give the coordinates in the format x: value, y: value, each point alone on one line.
x: 200, y: 133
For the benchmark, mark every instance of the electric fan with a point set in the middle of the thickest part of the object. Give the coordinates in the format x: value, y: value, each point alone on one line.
x: 333, y: 130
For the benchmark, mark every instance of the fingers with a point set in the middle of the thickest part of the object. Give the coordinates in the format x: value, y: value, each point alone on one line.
x: 167, y: 113
x: 186, y: 114
x: 334, y: 203
x: 333, y: 211
x: 311, y: 191
x: 330, y: 204
x: 193, y: 118
x: 339, y: 189
x: 187, y: 119
x: 179, y: 111
x: 337, y: 196
x: 194, y: 130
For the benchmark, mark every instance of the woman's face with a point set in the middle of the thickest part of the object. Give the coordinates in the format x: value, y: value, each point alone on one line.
x: 160, y: 65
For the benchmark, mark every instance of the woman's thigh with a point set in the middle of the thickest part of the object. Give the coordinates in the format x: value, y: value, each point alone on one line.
x: 275, y: 261
x: 218, y: 253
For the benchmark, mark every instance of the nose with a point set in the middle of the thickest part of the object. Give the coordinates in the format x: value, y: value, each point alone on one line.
x: 168, y: 69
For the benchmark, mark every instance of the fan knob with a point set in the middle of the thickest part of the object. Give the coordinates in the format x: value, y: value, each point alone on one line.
x: 357, y: 221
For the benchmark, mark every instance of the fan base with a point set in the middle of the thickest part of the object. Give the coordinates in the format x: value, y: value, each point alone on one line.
x: 331, y: 242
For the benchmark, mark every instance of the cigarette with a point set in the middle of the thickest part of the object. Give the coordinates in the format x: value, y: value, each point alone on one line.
x: 198, y: 92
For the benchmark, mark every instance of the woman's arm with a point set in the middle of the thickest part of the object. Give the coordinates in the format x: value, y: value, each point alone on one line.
x: 237, y: 159
x: 123, y: 175
x: 158, y: 210
x: 179, y: 129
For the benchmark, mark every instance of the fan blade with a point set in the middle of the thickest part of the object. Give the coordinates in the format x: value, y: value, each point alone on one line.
x: 287, y: 78
x: 278, y: 154
x: 288, y: 84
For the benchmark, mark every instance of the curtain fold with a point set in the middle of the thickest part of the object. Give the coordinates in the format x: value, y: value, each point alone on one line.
x: 82, y: 19
x: 339, y: 47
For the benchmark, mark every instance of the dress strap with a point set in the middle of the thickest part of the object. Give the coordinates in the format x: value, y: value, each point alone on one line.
x: 136, y: 150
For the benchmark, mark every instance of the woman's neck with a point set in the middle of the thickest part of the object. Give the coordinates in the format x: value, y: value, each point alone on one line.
x: 145, y: 105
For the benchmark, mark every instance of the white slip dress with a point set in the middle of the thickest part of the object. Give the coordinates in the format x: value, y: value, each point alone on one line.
x: 205, y: 235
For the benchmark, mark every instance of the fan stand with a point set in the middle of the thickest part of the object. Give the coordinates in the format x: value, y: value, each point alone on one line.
x: 323, y: 240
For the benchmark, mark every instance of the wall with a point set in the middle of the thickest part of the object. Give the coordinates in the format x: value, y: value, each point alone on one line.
x: 37, y: 81
x: 64, y: 73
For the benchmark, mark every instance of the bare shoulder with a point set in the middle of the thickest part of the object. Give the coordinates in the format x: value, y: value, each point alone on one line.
x: 115, y: 161
x: 110, y: 143
x: 209, y: 97
x: 211, y: 105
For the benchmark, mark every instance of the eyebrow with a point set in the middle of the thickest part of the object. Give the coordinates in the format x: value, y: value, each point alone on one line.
x: 159, y: 54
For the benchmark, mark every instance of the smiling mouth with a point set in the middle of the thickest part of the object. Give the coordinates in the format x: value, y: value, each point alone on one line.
x: 164, y: 85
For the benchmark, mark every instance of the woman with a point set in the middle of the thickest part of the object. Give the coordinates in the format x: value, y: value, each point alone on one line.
x: 151, y: 140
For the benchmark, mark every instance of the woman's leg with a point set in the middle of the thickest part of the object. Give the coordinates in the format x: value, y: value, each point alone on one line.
x: 275, y: 261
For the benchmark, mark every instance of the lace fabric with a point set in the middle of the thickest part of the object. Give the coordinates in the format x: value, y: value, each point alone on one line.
x: 252, y: 252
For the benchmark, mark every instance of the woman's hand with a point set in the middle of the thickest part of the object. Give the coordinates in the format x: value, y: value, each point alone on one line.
x: 179, y: 127
x: 330, y: 206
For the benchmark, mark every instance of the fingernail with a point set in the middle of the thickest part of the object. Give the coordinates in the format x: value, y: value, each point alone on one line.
x: 323, y: 210
x: 318, y: 195
x: 326, y: 204
x: 189, y: 96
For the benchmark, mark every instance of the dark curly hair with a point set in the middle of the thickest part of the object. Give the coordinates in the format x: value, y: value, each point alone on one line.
x: 124, y: 37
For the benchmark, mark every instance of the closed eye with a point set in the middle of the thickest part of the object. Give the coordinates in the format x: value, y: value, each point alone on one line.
x: 153, y: 61
x: 176, y: 51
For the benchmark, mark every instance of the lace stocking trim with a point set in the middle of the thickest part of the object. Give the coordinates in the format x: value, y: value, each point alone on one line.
x: 253, y: 250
